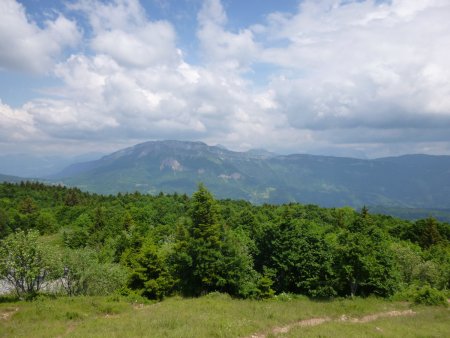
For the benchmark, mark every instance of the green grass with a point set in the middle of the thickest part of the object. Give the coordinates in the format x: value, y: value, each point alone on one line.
x: 212, y: 316
x: 427, y: 322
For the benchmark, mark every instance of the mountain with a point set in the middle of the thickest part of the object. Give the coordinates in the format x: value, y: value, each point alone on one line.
x: 12, y: 179
x: 410, y: 181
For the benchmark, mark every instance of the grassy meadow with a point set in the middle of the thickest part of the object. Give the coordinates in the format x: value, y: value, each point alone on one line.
x: 218, y: 315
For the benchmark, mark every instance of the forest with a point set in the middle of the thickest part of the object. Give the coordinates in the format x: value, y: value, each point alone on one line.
x: 152, y: 246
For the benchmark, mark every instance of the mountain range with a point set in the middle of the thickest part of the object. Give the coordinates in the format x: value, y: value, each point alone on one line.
x: 409, y: 181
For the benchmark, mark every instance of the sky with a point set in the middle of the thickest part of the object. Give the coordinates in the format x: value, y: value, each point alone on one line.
x: 359, y: 78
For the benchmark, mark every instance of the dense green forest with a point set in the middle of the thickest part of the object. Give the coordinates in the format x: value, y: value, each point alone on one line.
x: 154, y: 246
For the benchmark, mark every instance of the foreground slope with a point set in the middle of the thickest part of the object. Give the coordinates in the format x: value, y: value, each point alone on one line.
x: 219, y: 316
x: 417, y: 181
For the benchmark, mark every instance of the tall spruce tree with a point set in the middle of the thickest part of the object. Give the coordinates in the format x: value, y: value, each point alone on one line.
x: 197, y: 255
x: 205, y: 245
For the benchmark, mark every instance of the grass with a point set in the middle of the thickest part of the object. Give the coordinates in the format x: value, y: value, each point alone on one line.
x: 427, y: 322
x: 214, y: 315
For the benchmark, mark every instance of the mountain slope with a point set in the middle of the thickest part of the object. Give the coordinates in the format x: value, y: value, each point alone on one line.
x: 14, y: 179
x: 172, y: 166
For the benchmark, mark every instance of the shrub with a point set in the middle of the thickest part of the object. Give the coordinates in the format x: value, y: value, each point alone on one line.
x: 419, y: 294
x: 430, y: 296
x: 85, y: 275
x: 26, y: 264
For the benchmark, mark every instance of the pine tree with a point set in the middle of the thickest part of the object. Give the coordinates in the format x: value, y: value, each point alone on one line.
x: 205, y: 246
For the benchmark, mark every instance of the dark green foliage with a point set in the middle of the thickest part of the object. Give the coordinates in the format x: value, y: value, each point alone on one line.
x: 4, y: 224
x: 204, y: 244
x: 426, y: 232
x: 152, y: 246
x: 299, y: 258
x: 364, y: 261
x: 209, y: 258
x: 148, y: 275
x: 27, y: 206
x: 75, y: 238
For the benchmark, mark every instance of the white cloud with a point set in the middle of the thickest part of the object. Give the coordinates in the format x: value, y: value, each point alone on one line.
x: 122, y: 30
x: 222, y: 47
x: 360, y: 77
x: 142, y: 47
x: 360, y: 67
x: 25, y: 46
x: 102, y: 98
x: 16, y: 125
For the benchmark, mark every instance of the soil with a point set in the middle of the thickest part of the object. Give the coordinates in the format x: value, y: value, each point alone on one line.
x: 321, y: 320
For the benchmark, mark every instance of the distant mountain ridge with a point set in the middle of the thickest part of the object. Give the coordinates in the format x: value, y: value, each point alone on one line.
x: 409, y: 181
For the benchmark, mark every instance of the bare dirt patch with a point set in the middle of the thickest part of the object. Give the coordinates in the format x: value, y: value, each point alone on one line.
x: 5, y: 314
x: 343, y: 318
x: 301, y: 323
x: 375, y: 316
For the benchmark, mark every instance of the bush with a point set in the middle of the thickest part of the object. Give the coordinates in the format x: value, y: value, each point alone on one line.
x: 85, y: 275
x: 425, y: 295
x: 26, y: 264
x: 430, y: 296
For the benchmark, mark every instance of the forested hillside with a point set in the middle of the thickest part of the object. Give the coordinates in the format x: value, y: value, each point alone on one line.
x: 154, y: 246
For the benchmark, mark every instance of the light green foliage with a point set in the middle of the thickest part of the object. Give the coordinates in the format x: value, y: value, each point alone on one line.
x: 439, y: 255
x: 82, y: 274
x: 237, y: 267
x: 408, y: 260
x: 105, y: 278
x: 46, y: 222
x: 422, y: 294
x: 26, y: 263
x: 430, y: 296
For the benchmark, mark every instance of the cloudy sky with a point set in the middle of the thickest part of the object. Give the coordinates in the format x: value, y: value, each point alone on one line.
x: 359, y: 78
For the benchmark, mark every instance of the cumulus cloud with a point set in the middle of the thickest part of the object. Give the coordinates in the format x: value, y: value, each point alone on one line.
x: 16, y: 125
x: 25, y: 46
x: 122, y: 30
x: 344, y: 77
x: 118, y: 93
x: 364, y: 64
x: 104, y: 99
x: 233, y: 50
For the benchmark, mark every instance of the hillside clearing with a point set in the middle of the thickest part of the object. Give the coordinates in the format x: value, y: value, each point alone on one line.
x: 218, y: 315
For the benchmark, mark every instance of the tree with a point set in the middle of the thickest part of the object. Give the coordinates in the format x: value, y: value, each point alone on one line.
x: 365, y: 263
x: 300, y: 258
x: 148, y: 275
x: 430, y: 234
x: 208, y: 258
x: 25, y: 263
x: 205, y: 247
x: 425, y: 232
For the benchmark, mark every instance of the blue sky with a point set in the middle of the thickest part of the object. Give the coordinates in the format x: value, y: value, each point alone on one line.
x: 350, y: 78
